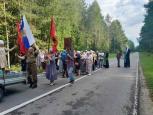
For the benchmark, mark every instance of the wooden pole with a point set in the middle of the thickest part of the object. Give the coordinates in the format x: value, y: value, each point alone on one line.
x: 8, y: 54
x: 49, y: 44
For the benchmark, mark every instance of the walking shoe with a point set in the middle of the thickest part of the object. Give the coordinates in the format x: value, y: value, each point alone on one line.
x: 30, y: 86
x: 51, y: 84
x: 71, y: 81
x: 34, y: 86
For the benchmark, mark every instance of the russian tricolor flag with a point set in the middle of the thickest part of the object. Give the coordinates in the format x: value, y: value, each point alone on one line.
x: 27, y: 36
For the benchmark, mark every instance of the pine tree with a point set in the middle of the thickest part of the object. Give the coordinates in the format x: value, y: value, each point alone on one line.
x: 146, y: 40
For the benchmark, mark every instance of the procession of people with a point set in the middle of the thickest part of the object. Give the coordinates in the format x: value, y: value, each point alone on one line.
x: 69, y: 62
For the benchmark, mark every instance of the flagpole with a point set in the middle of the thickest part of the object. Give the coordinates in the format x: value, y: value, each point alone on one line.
x: 8, y: 54
x: 50, y: 36
x: 49, y: 44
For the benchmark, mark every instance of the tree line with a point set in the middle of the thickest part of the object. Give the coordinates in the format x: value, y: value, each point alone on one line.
x: 146, y: 35
x: 87, y: 26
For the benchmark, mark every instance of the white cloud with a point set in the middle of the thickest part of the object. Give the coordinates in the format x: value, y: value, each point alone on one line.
x: 129, y: 12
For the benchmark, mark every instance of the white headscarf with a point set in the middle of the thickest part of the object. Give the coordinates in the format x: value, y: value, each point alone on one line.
x: 1, y: 42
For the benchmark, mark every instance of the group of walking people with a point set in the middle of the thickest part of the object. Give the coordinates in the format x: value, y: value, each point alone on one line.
x: 71, y: 63
x: 68, y: 62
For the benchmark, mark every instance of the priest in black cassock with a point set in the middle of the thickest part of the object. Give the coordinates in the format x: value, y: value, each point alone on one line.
x: 127, y: 57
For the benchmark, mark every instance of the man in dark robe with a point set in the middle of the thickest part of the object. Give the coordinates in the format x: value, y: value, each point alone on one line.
x: 106, y: 60
x: 127, y: 58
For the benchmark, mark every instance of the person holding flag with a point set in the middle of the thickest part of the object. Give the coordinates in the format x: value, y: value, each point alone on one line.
x: 31, y: 54
x: 51, y: 72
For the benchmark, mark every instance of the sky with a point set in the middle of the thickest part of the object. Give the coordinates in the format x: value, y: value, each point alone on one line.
x: 129, y: 12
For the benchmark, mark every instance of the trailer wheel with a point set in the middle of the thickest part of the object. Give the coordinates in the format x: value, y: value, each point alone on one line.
x: 1, y: 93
x: 25, y: 82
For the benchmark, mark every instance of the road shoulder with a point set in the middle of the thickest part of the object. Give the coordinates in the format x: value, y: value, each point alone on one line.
x: 146, y: 104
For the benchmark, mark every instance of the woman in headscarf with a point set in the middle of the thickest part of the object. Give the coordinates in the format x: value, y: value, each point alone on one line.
x: 3, y: 60
x: 89, y: 62
x: 106, y: 60
x: 51, y: 72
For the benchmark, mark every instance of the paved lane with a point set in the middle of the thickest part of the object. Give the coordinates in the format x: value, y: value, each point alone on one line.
x: 19, y: 93
x: 107, y: 92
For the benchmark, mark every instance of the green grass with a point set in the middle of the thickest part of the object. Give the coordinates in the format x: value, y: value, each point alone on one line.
x: 112, y: 55
x: 146, y: 60
x: 17, y: 68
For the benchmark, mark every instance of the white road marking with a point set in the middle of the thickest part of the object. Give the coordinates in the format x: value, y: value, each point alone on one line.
x: 135, y: 107
x: 41, y: 96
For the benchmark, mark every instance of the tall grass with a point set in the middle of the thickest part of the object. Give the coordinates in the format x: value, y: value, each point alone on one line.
x: 146, y: 60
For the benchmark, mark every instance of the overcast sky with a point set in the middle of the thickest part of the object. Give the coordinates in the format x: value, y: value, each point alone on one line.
x: 129, y: 12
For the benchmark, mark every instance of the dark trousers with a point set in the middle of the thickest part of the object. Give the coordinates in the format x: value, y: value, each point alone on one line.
x: 118, y: 62
x: 65, y: 69
x: 43, y: 64
x: 100, y: 63
x: 106, y: 65
x: 32, y: 73
x: 23, y: 65
x: 127, y: 62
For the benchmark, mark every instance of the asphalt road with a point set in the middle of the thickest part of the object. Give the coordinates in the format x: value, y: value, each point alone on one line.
x: 106, y: 92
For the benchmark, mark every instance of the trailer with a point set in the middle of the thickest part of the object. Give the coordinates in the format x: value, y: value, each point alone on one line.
x: 11, y: 78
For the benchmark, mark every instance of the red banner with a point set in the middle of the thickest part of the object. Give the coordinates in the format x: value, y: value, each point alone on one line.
x: 52, y: 28
x: 53, y: 35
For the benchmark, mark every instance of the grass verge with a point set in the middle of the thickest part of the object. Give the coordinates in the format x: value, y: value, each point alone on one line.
x: 146, y: 61
x: 112, y: 55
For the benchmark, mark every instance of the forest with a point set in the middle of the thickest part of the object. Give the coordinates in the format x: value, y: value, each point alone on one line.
x: 85, y: 24
x: 146, y: 35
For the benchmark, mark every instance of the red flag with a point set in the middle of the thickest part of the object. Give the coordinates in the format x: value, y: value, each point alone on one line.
x: 55, y: 43
x: 22, y: 48
x: 19, y: 39
x: 53, y: 35
x: 52, y: 28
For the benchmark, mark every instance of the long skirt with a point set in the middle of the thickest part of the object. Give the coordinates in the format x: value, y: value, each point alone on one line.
x: 89, y: 67
x: 106, y: 63
x: 83, y: 66
x: 51, y: 72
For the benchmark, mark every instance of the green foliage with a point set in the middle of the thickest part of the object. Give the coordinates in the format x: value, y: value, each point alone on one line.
x: 86, y: 25
x: 15, y: 67
x: 118, y: 38
x: 146, y: 39
x: 145, y: 59
x: 112, y: 55
x: 97, y: 29
x: 40, y: 70
x: 131, y: 45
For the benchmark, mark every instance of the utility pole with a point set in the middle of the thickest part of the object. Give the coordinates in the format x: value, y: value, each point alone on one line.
x: 8, y: 54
